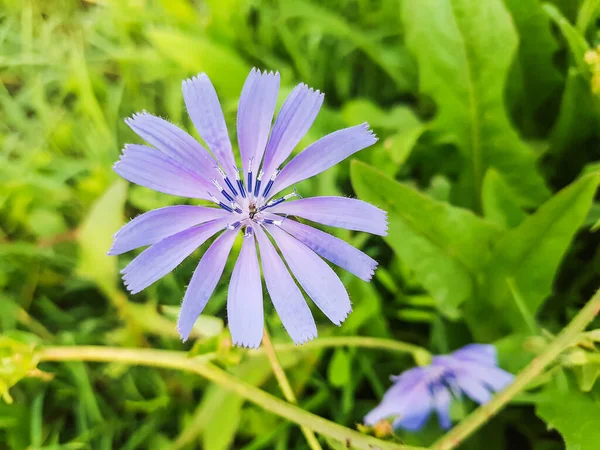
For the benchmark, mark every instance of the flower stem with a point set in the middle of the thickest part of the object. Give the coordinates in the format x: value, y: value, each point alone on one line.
x: 286, y: 388
x: 180, y: 360
x: 418, y: 353
x: 482, y: 414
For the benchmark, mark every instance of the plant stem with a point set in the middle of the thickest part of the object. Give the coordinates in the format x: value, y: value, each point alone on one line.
x: 286, y: 388
x: 418, y: 353
x: 180, y: 361
x: 482, y: 414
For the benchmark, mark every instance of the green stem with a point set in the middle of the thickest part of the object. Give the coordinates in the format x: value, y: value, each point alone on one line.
x: 179, y: 361
x: 286, y: 387
x: 421, y: 355
x: 482, y: 414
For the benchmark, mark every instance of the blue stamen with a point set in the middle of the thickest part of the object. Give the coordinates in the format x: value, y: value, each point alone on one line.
x: 240, y: 184
x: 230, y: 186
x: 226, y: 195
x: 257, y: 184
x: 225, y: 207
x: 270, y: 184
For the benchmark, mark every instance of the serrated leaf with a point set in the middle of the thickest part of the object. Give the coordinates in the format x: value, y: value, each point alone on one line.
x: 466, y: 77
x: 500, y: 205
x: 95, y: 237
x: 529, y: 255
x: 574, y: 415
x: 443, y: 244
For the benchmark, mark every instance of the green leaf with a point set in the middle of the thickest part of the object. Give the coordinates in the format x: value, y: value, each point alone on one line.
x: 339, y: 371
x: 443, y: 244
x: 466, y: 78
x: 95, y: 237
x: 574, y: 415
x: 578, y: 117
x: 587, y: 14
x: 587, y: 375
x: 575, y: 41
x: 537, y: 47
x: 400, y: 68
x: 500, y: 204
x: 530, y: 255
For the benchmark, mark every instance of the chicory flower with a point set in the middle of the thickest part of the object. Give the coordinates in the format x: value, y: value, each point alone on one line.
x: 472, y: 370
x: 246, y: 203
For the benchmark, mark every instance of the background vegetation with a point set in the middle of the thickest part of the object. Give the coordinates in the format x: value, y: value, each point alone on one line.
x: 487, y: 113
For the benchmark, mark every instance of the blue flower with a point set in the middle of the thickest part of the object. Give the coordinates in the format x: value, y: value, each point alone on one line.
x: 472, y: 370
x: 177, y: 164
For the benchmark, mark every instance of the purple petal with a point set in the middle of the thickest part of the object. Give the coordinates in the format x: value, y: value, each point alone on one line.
x: 150, y: 168
x: 494, y: 377
x: 339, y: 212
x: 293, y: 121
x: 441, y: 398
x: 285, y: 294
x: 333, y: 249
x: 173, y: 142
x: 205, y: 279
x: 323, y: 154
x: 473, y: 388
x: 407, y: 381
x: 411, y: 409
x: 205, y: 111
x: 318, y: 279
x: 244, y: 299
x: 255, y: 114
x: 153, y: 226
x: 386, y: 409
x: 161, y: 258
x: 481, y: 353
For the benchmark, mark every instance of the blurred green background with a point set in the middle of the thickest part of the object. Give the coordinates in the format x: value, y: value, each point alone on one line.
x: 486, y: 107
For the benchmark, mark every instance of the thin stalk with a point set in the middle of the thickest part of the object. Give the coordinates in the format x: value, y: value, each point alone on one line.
x: 179, y: 361
x: 286, y: 387
x: 481, y: 415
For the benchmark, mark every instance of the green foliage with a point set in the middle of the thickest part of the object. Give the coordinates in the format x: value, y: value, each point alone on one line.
x: 487, y: 113
x: 441, y: 243
x: 574, y: 415
x: 466, y: 78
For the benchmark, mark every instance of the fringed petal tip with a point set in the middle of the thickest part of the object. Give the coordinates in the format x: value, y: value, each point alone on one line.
x: 245, y: 344
x: 371, y: 274
x: 305, y: 338
x: 342, y: 318
x: 311, y: 90
x: 263, y: 73
x: 365, y: 126
x: 190, y: 81
x: 136, y: 116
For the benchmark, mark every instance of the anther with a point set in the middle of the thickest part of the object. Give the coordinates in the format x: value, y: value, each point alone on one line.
x: 270, y: 184
x: 258, y: 181
x: 221, y: 204
x: 240, y: 183
x: 277, y: 201
x: 227, y: 181
x: 250, y: 176
x: 236, y: 207
x: 248, y: 232
x: 223, y: 191
x: 234, y: 225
